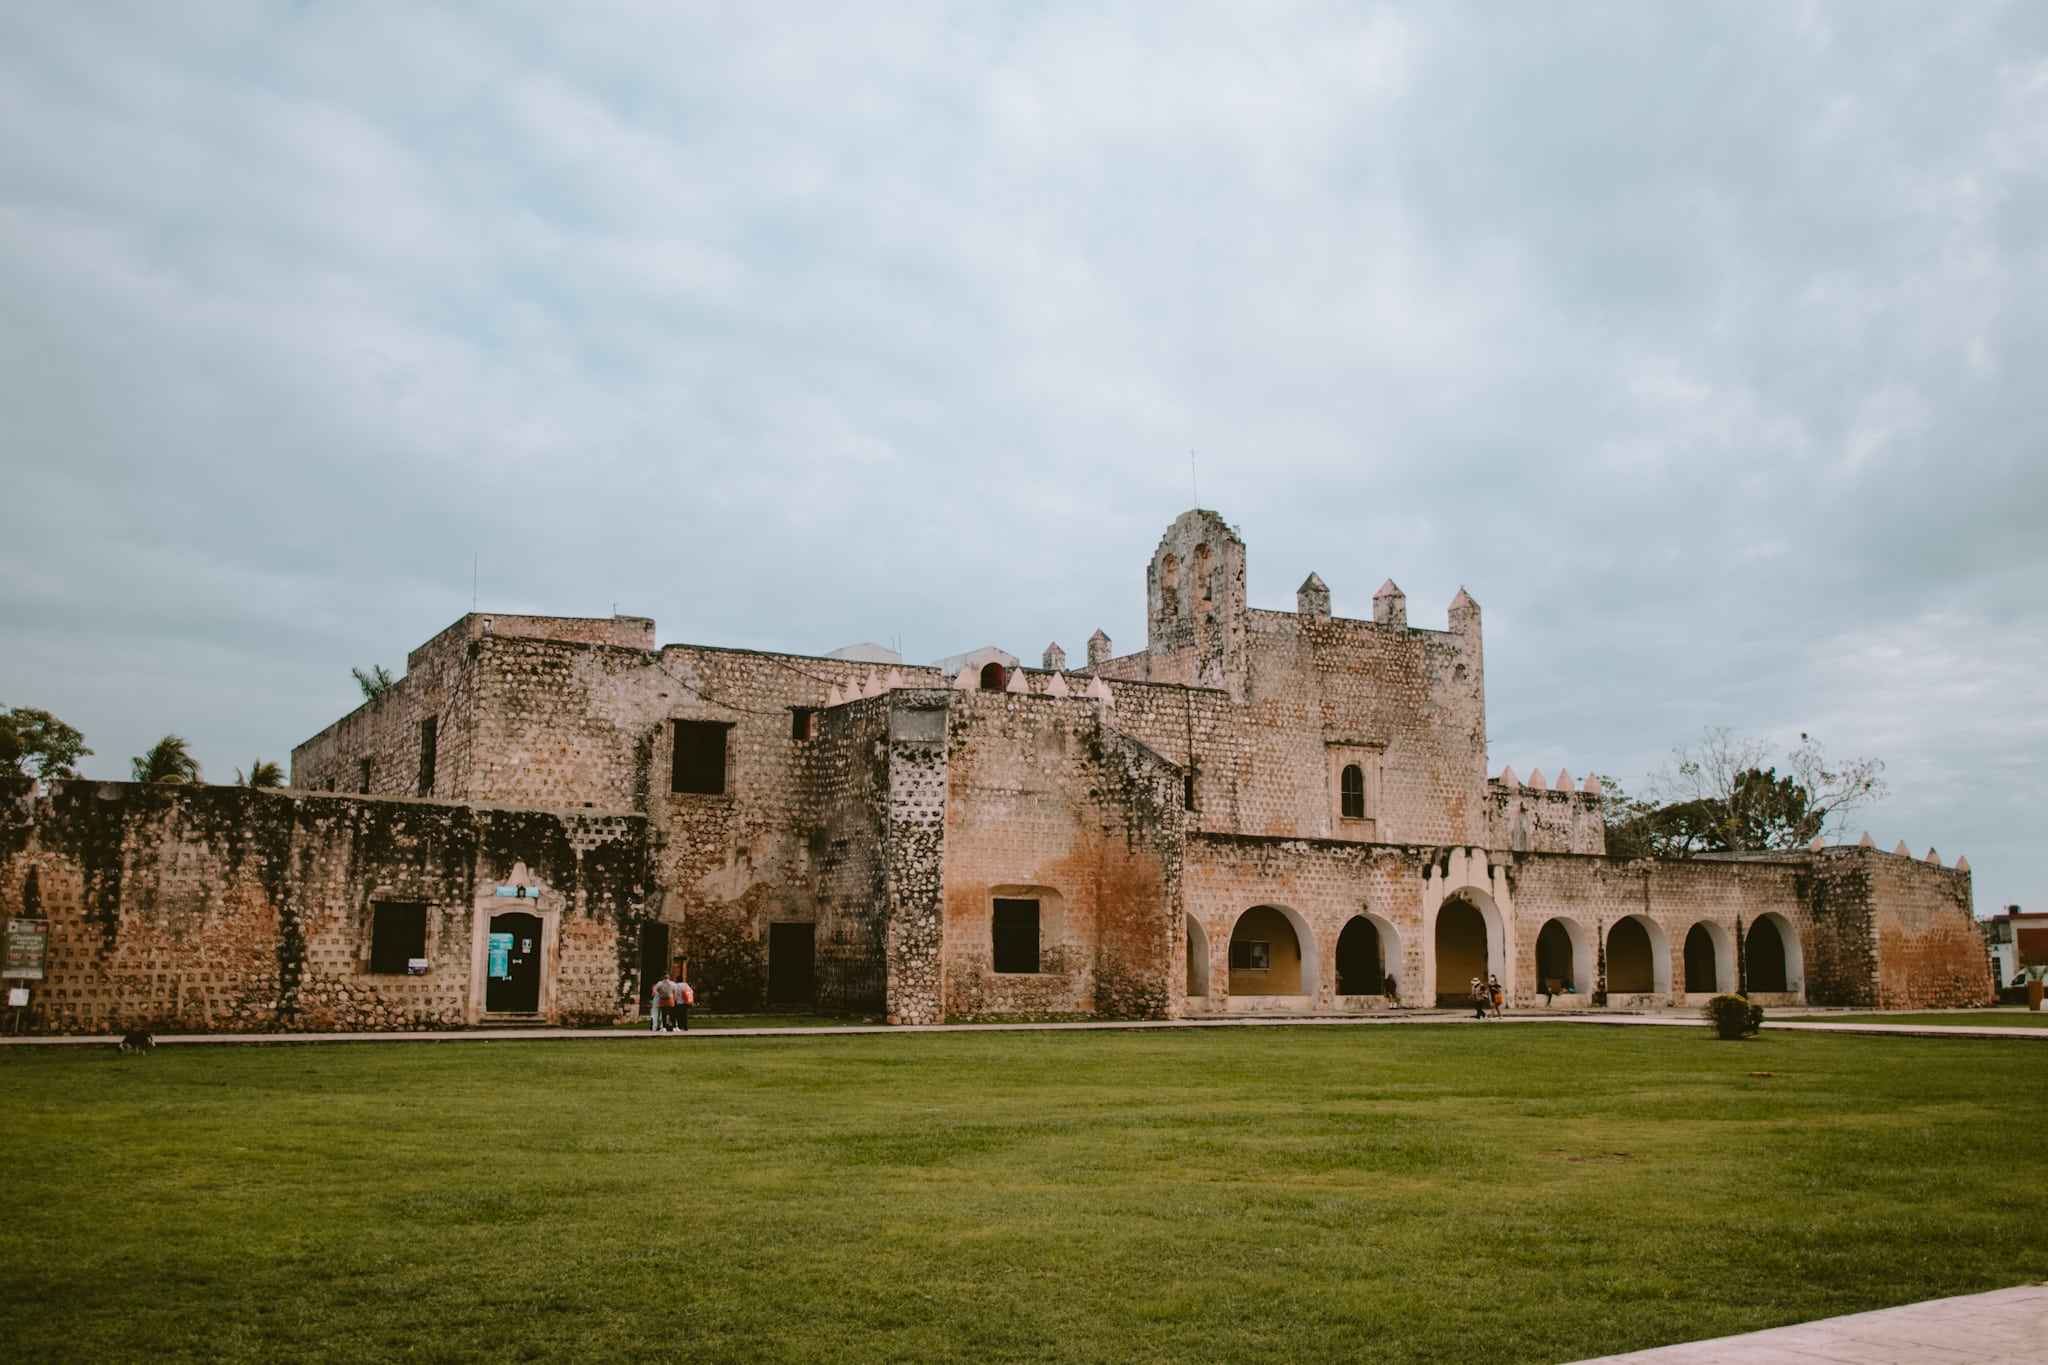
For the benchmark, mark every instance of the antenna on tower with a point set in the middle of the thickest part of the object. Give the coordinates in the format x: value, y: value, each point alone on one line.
x: 1194, y: 483
x: 472, y: 580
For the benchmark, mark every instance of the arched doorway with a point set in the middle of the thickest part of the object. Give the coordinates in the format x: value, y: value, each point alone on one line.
x: 1461, y: 950
x: 1709, y: 959
x: 1361, y: 959
x: 1771, y: 954
x: 1564, y: 958
x: 1629, y: 968
x: 1271, y: 953
x: 993, y: 677
x: 1198, y: 958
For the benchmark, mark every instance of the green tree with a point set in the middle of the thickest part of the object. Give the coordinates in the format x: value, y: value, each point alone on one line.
x: 1725, y: 794
x: 261, y: 773
x: 168, y: 760
x: 35, y: 744
x: 376, y: 682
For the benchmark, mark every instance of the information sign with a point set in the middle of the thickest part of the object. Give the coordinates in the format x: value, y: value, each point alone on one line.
x: 28, y: 948
x: 501, y: 956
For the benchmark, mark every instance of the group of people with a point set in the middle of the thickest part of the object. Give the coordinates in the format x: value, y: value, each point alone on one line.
x: 1487, y: 996
x: 672, y: 1000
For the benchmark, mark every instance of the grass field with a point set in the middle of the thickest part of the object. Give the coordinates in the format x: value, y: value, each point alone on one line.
x: 1428, y: 1193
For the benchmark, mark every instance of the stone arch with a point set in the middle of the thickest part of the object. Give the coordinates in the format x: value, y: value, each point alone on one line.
x: 1467, y: 938
x: 1198, y: 958
x: 1774, y: 971
x: 1638, y: 957
x: 1290, y: 953
x: 1709, y: 958
x: 1564, y: 954
x: 1366, y: 935
x: 993, y: 677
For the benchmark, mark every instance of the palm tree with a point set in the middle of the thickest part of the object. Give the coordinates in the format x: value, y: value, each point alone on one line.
x: 262, y: 773
x: 168, y: 760
x: 376, y: 682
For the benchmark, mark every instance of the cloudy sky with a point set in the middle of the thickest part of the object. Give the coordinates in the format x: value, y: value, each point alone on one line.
x: 1705, y: 344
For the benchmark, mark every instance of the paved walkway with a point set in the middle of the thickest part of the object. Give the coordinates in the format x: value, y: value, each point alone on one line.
x: 2004, y: 1327
x: 491, y: 1034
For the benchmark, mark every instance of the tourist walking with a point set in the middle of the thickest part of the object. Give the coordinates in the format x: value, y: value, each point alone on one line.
x: 1494, y: 994
x: 1480, y: 998
x: 679, y: 1012
x: 664, y: 1000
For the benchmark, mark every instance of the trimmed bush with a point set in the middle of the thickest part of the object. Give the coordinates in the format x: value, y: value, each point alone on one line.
x: 1733, y: 1017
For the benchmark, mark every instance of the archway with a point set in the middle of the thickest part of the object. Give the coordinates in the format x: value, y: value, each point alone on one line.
x: 1361, y: 959
x: 993, y: 677
x: 1638, y: 957
x: 1272, y: 952
x: 1564, y: 957
x: 1771, y: 954
x: 1709, y: 959
x: 1198, y: 958
x: 1462, y: 944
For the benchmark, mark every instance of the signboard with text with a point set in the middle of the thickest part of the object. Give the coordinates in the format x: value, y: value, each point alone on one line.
x: 28, y: 949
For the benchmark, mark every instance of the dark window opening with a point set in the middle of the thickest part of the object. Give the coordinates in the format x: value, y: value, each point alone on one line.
x: 1187, y: 792
x: 429, y: 739
x: 363, y: 768
x: 792, y: 963
x: 398, y: 935
x: 699, y: 765
x: 1250, y: 955
x: 1351, y: 791
x: 1016, y: 936
x: 801, y: 719
x: 993, y: 676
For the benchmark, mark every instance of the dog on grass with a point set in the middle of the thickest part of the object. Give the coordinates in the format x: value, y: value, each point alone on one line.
x: 136, y: 1040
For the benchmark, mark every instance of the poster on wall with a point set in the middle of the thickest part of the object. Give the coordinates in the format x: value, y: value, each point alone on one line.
x: 28, y: 948
x: 501, y: 956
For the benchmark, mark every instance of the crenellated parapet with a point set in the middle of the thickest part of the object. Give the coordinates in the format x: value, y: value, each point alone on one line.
x: 1545, y: 816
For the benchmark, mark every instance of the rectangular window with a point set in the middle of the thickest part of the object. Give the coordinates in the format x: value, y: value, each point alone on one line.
x: 1250, y: 955
x: 699, y: 763
x: 363, y: 768
x: 398, y: 936
x: 1187, y: 792
x: 429, y: 738
x: 1015, y: 934
x: 800, y: 720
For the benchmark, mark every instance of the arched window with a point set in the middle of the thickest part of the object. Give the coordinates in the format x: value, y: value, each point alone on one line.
x: 1169, y: 586
x: 1351, y: 791
x: 993, y: 677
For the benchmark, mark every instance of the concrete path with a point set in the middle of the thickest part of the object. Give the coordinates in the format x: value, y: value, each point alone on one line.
x: 2004, y: 1327
x: 491, y: 1034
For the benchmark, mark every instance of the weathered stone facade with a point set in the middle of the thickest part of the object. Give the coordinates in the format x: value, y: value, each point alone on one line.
x: 1261, y: 811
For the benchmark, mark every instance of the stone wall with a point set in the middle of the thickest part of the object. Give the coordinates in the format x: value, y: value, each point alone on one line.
x: 225, y: 909
x: 1894, y: 932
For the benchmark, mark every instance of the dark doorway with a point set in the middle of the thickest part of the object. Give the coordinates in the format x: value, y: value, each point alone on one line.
x: 512, y: 966
x: 1699, y: 960
x: 993, y: 677
x: 1631, y: 968
x: 1554, y: 958
x: 653, y: 961
x: 1460, y: 952
x: 1359, y: 967
x: 792, y: 963
x: 1766, y: 952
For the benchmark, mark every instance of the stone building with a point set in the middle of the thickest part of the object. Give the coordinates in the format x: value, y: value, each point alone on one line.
x: 1260, y: 811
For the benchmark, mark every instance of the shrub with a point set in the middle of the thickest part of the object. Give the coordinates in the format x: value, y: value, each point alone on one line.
x: 1733, y: 1017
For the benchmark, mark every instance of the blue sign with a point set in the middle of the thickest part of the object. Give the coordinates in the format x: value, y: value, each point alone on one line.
x: 501, y: 956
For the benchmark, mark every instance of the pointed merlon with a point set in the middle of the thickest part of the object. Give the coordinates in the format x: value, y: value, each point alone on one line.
x: 1962, y: 863
x: 1536, y: 781
x: 1508, y: 778
x: 1817, y: 845
x: 1593, y: 787
x: 835, y: 697
x: 1312, y: 599
x: 874, y: 687
x: 1099, y: 690
x: 968, y: 679
x: 1055, y: 658
x: 1866, y: 841
x: 1099, y: 650
x: 1933, y: 858
x: 1017, y: 683
x: 1056, y: 686
x: 893, y: 681
x: 1902, y: 851
x: 1563, y: 780
x: 1390, y: 605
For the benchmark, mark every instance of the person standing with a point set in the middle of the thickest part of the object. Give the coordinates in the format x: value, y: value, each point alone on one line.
x: 664, y: 1001
x: 1479, y: 998
x: 684, y: 998
x: 1495, y: 995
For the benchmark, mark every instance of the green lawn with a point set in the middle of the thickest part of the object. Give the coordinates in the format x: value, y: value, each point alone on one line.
x: 1986, y: 1018
x: 1436, y: 1193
